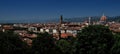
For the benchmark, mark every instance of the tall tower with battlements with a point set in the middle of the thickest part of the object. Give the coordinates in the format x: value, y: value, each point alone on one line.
x: 59, y: 26
x: 61, y: 19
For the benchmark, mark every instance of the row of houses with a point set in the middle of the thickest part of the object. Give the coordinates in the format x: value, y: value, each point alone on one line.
x: 115, y: 27
x: 53, y: 30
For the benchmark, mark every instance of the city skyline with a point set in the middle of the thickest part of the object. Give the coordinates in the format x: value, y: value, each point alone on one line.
x: 49, y: 9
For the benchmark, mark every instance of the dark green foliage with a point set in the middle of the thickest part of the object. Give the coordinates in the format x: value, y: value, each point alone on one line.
x: 66, y: 46
x: 95, y: 39
x: 116, y: 48
x: 44, y: 44
x: 11, y: 43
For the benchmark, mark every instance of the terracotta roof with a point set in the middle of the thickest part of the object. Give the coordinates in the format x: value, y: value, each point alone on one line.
x: 103, y: 18
x: 64, y: 35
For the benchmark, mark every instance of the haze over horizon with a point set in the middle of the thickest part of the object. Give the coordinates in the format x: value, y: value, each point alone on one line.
x: 51, y: 9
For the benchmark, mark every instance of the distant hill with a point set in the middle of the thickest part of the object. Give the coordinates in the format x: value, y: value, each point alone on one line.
x: 74, y: 19
x: 94, y: 18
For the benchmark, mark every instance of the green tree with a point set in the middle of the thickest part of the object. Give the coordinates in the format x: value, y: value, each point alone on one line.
x: 44, y: 44
x: 116, y: 48
x: 66, y: 46
x: 95, y: 39
x: 11, y: 43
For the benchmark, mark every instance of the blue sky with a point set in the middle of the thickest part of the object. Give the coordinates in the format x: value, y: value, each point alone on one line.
x: 47, y: 9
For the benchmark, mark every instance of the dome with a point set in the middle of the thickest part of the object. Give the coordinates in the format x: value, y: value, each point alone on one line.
x: 103, y: 18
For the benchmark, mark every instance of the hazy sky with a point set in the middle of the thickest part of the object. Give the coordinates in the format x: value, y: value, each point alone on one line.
x: 46, y: 9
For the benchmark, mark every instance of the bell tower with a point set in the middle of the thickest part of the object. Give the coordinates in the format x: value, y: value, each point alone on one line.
x: 61, y: 19
x: 59, y: 26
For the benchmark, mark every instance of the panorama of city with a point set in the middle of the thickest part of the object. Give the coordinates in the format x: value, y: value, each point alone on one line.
x: 59, y: 27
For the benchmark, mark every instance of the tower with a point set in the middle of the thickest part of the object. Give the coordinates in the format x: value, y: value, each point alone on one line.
x: 59, y: 26
x: 61, y: 19
x: 89, y: 20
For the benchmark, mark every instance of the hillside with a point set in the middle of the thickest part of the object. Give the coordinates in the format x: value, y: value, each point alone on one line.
x: 94, y: 18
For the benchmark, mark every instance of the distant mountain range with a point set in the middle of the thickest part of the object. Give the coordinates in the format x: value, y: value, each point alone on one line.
x: 74, y: 19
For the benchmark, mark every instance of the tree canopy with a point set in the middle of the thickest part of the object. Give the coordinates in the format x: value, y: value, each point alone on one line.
x: 116, y: 47
x: 95, y: 39
x: 44, y: 44
x: 11, y: 43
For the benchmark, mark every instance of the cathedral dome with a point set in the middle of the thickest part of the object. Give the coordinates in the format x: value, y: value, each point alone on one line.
x: 103, y: 18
